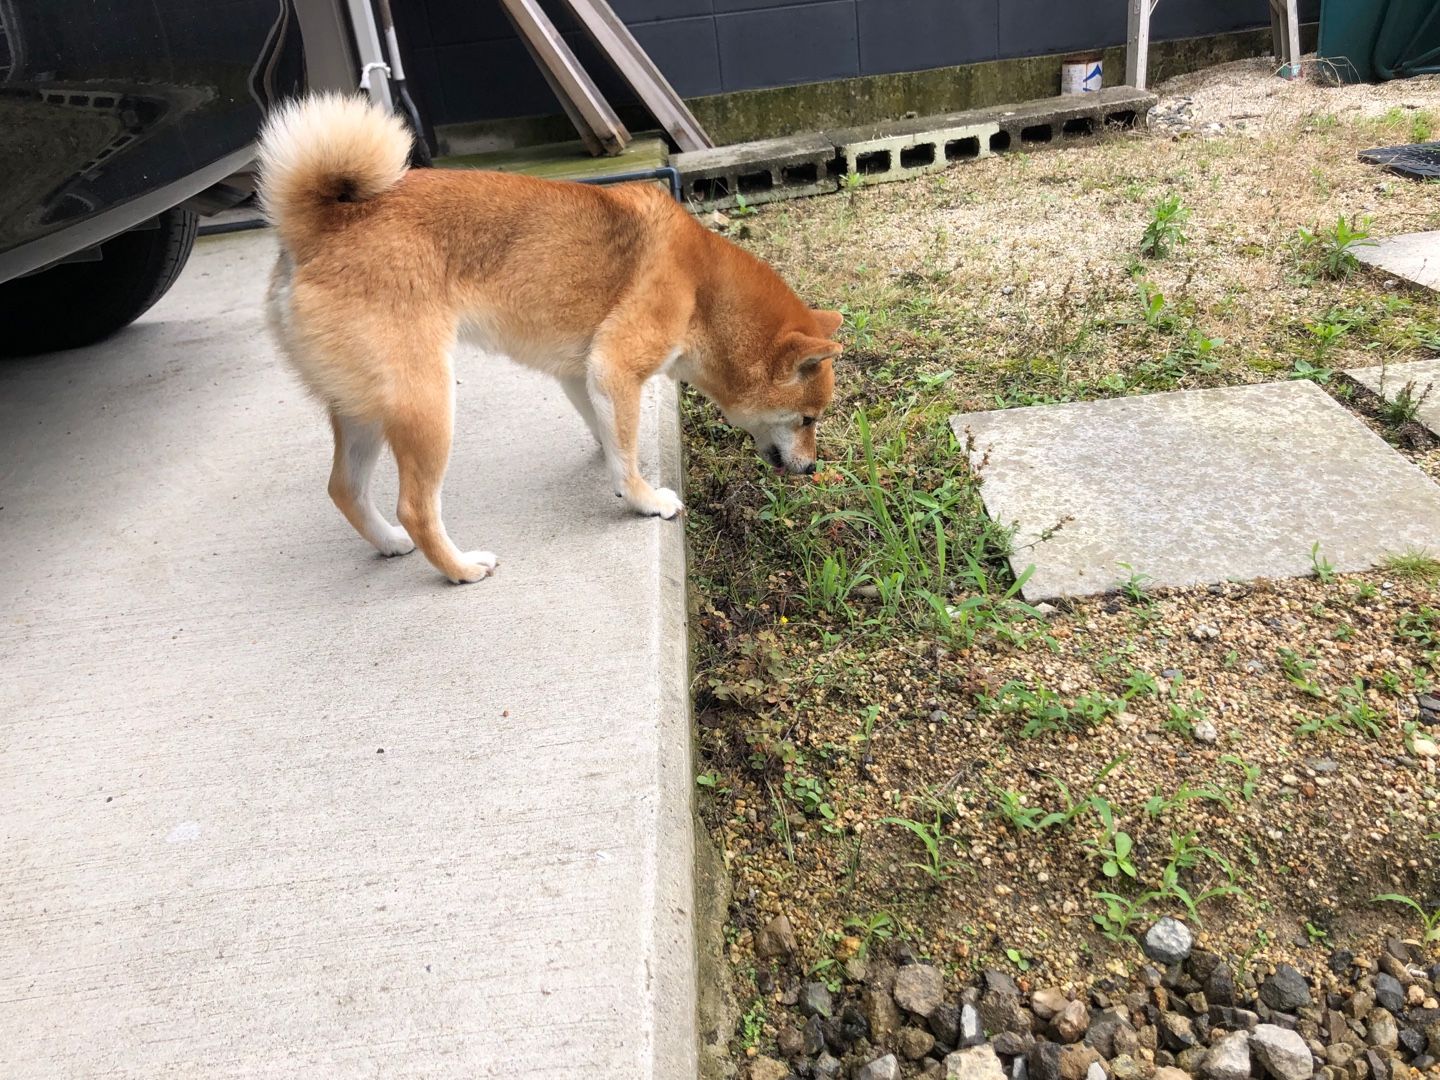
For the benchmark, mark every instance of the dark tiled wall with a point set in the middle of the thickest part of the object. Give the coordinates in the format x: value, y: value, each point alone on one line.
x: 467, y: 63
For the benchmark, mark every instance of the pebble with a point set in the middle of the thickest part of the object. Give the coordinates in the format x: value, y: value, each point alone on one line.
x: 1003, y: 1012
x: 1381, y: 1030
x: 919, y: 989
x: 1075, y: 1061
x: 1072, y: 1022
x: 1047, y: 1002
x: 971, y: 1032
x: 881, y: 1012
x: 776, y: 938
x: 1283, y: 1053
x: 945, y: 1023
x: 975, y: 1063
x: 1205, y: 633
x: 827, y: 1067
x: 1095, y: 1072
x: 766, y: 1068
x: 1206, y: 732
x: 1125, y: 1067
x: 913, y: 1043
x: 1424, y: 747
x: 1176, y: 1031
x: 1389, y: 994
x: 1169, y: 941
x: 815, y: 1000
x: 1286, y: 990
x: 1229, y: 1058
x: 885, y: 1068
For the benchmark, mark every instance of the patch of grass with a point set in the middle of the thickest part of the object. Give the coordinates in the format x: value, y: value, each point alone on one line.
x: 1164, y: 232
x: 1323, y: 568
x: 1414, y: 566
x: 938, y: 866
x: 1420, y: 627
x: 1328, y: 253
x: 1429, y: 920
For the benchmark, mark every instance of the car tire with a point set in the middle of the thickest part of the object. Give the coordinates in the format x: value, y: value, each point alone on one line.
x: 79, y: 303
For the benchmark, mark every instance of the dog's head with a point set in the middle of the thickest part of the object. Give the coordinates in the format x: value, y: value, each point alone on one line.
x: 794, y: 382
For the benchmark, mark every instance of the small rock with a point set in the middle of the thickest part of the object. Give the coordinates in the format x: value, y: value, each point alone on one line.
x: 1340, y: 1054
x: 881, y: 1012
x: 1220, y: 986
x: 1424, y: 746
x: 1286, y: 990
x: 1046, y: 1003
x: 1166, y: 1072
x: 1176, y: 1031
x: 1105, y: 1026
x: 1011, y: 1043
x: 1075, y: 1061
x: 1206, y: 732
x: 827, y: 1067
x: 1283, y: 1053
x: 1381, y: 1030
x: 1003, y: 1012
x: 1389, y: 994
x: 767, y: 1068
x: 919, y: 989
x: 1043, y: 1061
x: 1233, y: 1019
x: 1072, y: 1022
x: 790, y: 1041
x: 1205, y: 633
x: 1169, y: 941
x: 815, y: 1000
x: 1412, y: 1041
x: 776, y: 938
x: 998, y: 982
x: 913, y: 1043
x: 1359, y: 1004
x: 945, y: 1023
x: 1229, y: 1058
x: 971, y: 1033
x: 1393, y: 965
x: 885, y: 1068
x: 974, y: 1063
x: 814, y: 1035
x: 1341, y: 959
x: 1095, y: 1072
x: 931, y: 1069
x: 1379, y: 1065
x: 855, y: 970
x: 1125, y: 1067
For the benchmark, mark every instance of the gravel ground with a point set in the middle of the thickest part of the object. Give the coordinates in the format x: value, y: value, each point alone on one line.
x: 901, y: 793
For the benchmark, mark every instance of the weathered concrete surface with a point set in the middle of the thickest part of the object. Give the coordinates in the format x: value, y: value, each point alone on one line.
x: 209, y: 868
x: 1414, y: 257
x: 1419, y: 378
x: 1196, y: 486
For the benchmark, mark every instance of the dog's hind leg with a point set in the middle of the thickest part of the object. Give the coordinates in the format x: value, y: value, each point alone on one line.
x: 579, y: 395
x: 357, y: 447
x: 420, y: 432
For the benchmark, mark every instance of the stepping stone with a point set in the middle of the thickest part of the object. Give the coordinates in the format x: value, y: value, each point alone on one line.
x: 1423, y: 378
x: 1196, y: 486
x: 1415, y: 257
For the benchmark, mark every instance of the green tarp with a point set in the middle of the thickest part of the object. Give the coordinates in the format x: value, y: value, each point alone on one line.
x: 1371, y: 40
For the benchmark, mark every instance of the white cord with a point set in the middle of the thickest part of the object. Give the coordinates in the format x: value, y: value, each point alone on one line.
x: 365, y: 72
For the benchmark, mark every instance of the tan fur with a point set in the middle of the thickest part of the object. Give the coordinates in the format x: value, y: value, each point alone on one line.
x: 382, y: 269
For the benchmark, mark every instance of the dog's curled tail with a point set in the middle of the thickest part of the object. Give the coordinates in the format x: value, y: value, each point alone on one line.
x: 319, y: 153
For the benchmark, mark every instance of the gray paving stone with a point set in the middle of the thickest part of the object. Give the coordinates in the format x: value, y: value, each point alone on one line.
x: 1195, y: 486
x: 1413, y: 256
x: 1423, y: 378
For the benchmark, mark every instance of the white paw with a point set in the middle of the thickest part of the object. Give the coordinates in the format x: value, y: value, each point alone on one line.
x: 660, y: 502
x: 477, y: 566
x: 396, y: 541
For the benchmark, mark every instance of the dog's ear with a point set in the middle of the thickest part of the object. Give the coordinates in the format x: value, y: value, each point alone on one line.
x: 828, y: 322
x: 800, y: 355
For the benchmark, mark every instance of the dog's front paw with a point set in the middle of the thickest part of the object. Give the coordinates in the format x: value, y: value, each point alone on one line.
x: 396, y: 542
x: 661, y: 503
x: 476, y: 566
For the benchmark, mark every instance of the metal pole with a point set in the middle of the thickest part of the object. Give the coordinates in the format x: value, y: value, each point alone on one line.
x: 371, y: 54
x: 1137, y: 50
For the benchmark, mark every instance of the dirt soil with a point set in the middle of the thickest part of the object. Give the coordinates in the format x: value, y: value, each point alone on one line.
x: 878, y: 755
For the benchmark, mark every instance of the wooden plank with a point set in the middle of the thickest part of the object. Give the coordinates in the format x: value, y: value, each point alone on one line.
x: 1137, y: 46
x: 583, y: 103
x: 633, y: 63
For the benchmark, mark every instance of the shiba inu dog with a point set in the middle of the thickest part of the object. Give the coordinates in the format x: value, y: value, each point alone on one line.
x: 383, y: 269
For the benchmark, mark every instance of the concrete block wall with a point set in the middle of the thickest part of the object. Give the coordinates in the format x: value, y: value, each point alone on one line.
x: 468, y: 65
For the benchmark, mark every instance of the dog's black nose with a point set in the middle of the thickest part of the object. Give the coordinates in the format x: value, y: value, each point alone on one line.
x: 809, y: 470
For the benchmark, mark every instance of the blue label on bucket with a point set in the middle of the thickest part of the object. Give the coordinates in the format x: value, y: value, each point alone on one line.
x: 1093, y: 79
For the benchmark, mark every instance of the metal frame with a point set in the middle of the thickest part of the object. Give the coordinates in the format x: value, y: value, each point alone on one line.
x: 370, y: 53
x: 1284, y: 30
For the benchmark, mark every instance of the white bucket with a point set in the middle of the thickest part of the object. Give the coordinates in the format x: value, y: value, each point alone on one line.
x: 1084, y: 77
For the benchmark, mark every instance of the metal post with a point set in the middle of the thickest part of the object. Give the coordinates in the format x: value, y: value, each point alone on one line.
x: 374, y: 72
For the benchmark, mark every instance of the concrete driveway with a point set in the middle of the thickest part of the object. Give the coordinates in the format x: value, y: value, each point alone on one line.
x: 272, y: 805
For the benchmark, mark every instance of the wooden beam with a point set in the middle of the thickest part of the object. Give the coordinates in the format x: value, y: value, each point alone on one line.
x: 1137, y: 45
x: 633, y: 63
x: 594, y: 119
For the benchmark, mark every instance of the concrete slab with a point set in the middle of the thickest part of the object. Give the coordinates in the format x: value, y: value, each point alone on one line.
x: 1195, y: 486
x: 1414, y: 257
x: 1419, y: 378
x: 275, y: 806
x: 564, y: 161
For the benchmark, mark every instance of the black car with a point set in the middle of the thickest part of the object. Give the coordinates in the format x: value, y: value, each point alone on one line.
x: 120, y: 122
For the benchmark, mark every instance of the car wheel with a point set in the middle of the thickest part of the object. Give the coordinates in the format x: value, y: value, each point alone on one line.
x: 78, y: 303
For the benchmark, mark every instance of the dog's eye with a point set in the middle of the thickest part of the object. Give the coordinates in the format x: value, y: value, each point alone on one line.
x: 807, y: 421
